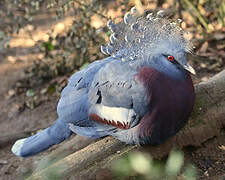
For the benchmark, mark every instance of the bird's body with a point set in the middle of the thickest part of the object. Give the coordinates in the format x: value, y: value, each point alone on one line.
x: 138, y: 101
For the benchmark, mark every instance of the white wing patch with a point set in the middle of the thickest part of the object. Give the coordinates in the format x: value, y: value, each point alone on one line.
x: 116, y: 114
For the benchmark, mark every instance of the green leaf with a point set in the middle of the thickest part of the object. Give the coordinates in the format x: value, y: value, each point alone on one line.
x: 84, y: 66
x: 48, y: 46
x: 108, y: 33
x: 30, y: 93
x: 174, y: 162
x: 140, y: 162
x: 190, y: 172
x: 51, y: 89
x: 121, y: 167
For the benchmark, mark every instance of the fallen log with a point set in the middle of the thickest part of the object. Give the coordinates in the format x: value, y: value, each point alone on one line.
x: 207, y: 120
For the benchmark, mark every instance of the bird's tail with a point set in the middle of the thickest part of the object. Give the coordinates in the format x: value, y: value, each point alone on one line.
x: 41, y: 141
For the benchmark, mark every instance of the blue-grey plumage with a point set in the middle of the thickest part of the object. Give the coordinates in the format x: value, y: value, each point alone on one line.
x: 140, y: 94
x: 41, y: 141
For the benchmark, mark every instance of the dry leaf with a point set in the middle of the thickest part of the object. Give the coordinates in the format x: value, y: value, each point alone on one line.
x: 219, y: 36
x: 222, y: 147
x: 204, y: 47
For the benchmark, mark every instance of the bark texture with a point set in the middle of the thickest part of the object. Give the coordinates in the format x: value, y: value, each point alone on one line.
x: 207, y: 120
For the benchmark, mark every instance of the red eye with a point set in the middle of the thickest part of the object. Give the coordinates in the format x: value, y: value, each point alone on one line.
x: 170, y: 58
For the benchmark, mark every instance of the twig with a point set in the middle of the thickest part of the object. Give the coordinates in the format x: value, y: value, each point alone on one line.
x: 179, y: 9
x: 199, y: 15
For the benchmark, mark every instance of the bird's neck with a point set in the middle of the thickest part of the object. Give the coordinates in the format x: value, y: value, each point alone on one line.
x: 171, y: 71
x: 168, y: 69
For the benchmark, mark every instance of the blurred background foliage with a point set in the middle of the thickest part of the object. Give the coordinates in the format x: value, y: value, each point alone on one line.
x: 141, y: 166
x: 79, y: 44
x: 138, y: 166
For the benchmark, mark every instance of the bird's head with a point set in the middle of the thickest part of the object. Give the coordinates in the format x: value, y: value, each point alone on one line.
x: 170, y: 58
x: 153, y: 38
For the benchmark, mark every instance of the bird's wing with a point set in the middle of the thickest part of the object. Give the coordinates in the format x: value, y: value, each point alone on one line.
x: 72, y: 106
x: 116, y: 97
x: 103, y: 91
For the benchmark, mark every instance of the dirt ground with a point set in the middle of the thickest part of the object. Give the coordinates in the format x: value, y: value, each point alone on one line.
x: 209, y: 158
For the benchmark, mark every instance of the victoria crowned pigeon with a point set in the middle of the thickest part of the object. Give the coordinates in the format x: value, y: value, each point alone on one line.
x: 141, y: 94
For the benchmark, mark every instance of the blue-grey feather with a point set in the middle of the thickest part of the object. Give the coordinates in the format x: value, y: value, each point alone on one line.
x: 118, y: 87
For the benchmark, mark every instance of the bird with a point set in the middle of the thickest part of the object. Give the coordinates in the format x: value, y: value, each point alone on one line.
x: 142, y: 93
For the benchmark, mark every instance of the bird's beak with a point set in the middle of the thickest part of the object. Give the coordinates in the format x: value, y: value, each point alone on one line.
x: 189, y: 68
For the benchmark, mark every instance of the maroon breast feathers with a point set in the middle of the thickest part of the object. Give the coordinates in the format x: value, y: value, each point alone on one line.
x: 170, y: 104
